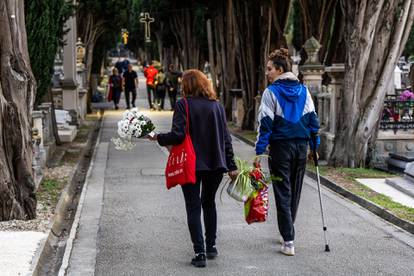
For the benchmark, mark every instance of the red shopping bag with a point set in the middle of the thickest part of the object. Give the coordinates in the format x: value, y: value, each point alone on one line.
x: 181, y: 164
x: 257, y: 206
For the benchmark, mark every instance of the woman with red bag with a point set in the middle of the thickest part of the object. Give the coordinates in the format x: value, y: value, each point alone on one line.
x: 214, y: 156
x: 115, y: 87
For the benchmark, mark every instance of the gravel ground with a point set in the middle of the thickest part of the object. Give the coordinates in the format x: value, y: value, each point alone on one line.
x: 45, y: 208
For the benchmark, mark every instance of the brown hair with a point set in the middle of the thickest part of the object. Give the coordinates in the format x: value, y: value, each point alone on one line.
x: 281, y: 59
x: 196, y: 84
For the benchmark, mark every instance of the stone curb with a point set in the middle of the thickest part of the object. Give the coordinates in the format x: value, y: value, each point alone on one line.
x: 65, y: 205
x: 370, y: 206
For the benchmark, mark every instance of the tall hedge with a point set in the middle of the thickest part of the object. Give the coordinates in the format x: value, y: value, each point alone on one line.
x: 45, y: 21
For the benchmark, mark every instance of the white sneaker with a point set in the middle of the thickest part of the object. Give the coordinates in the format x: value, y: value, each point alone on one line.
x: 288, y: 248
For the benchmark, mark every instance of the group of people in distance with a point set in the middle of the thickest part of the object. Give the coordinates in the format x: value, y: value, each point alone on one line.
x: 158, y: 84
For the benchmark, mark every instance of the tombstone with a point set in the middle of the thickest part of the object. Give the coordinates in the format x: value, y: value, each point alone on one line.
x: 38, y: 117
x: 399, y: 161
x: 66, y: 131
x: 397, y: 77
x: 36, y: 161
x: 48, y: 139
x: 404, y: 184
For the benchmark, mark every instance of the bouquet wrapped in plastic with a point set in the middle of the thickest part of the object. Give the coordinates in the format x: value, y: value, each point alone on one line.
x: 251, y: 187
x: 257, y: 205
x: 241, y: 188
x: 132, y: 125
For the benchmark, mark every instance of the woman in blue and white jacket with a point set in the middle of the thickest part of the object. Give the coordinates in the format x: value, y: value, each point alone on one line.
x: 287, y: 119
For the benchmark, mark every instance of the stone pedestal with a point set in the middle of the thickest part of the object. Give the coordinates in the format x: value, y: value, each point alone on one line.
x: 48, y: 139
x: 38, y: 122
x: 312, y: 70
x: 69, y: 86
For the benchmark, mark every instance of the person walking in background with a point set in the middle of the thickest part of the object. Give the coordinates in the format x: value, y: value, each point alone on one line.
x: 172, y: 84
x: 115, y: 87
x: 214, y: 156
x: 287, y: 120
x: 130, y: 80
x: 119, y: 65
x: 150, y: 72
x: 160, y: 88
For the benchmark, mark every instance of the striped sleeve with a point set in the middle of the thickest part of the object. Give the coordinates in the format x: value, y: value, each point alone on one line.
x: 265, y: 120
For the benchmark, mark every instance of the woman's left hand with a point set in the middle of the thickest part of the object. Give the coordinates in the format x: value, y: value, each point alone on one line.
x: 233, y: 174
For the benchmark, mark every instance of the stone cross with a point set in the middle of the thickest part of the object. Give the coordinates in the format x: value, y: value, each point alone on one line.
x: 147, y: 20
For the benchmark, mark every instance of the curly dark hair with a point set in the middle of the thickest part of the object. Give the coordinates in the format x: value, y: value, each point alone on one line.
x: 281, y: 59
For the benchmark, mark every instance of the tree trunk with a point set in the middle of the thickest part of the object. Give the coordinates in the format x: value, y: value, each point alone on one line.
x: 375, y: 35
x: 17, y: 90
x: 90, y: 31
x: 182, y: 23
x: 317, y: 18
x: 211, y: 56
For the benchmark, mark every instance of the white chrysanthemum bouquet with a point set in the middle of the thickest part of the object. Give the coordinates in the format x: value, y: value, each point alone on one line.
x: 133, y: 125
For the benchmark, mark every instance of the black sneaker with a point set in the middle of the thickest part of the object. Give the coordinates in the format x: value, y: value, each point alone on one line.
x: 199, y: 260
x: 211, y: 252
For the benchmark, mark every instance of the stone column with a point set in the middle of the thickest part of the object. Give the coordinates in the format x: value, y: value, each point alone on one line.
x: 312, y: 70
x: 81, y: 79
x: 336, y: 72
x: 69, y: 83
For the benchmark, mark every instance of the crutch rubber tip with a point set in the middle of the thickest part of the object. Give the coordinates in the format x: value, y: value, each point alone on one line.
x: 327, y: 248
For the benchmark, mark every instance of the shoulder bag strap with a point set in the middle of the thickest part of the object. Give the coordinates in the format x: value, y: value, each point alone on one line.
x: 187, y: 128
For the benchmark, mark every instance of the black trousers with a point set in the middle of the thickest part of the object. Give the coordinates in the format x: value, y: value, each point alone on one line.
x: 172, y: 94
x: 116, y: 96
x: 133, y: 91
x: 160, y: 97
x: 287, y: 162
x: 150, y: 95
x: 209, y: 182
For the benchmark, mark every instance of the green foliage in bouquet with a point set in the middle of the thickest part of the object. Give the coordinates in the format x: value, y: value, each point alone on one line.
x: 147, y: 128
x: 243, y: 180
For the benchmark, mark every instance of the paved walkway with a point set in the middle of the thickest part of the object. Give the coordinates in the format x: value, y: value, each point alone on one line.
x: 131, y: 225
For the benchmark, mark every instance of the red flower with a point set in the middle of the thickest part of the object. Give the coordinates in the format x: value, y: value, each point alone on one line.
x: 256, y: 174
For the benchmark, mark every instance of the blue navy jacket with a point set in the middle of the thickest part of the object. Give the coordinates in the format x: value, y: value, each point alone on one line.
x: 286, y: 112
x: 209, y: 134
